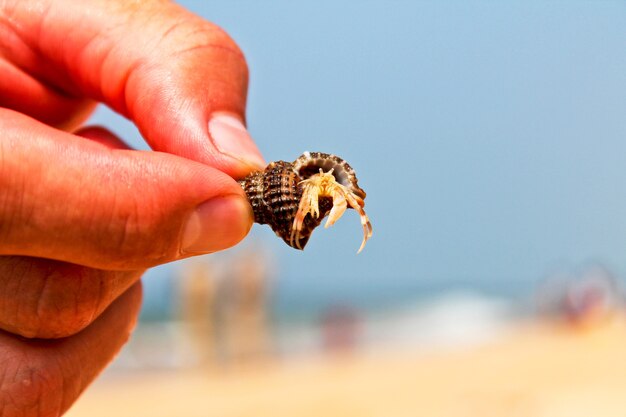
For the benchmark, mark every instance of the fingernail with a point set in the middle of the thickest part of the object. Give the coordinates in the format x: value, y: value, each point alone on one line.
x: 217, y: 224
x: 231, y: 138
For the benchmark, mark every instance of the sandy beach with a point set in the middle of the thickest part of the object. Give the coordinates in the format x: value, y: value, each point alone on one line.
x: 537, y: 370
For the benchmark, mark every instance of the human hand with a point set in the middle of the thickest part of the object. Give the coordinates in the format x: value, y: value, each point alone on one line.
x: 81, y: 215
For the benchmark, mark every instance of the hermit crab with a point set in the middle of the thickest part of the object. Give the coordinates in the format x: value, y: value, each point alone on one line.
x: 294, y: 197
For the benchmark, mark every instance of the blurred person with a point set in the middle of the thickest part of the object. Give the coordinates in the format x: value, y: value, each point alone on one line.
x: 580, y: 301
x: 592, y: 299
x: 340, y: 329
x: 82, y: 215
x: 245, y: 319
x: 198, y: 287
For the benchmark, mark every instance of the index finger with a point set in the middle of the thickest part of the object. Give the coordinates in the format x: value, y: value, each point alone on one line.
x: 181, y: 79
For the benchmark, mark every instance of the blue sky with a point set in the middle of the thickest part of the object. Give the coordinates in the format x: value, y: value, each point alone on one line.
x: 489, y: 136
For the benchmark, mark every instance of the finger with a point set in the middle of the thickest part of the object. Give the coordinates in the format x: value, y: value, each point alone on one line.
x: 77, y: 201
x: 27, y: 94
x: 182, y: 80
x: 44, y: 377
x: 50, y: 299
x: 102, y: 136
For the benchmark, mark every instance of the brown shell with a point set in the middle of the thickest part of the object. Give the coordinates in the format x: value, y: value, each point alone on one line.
x: 275, y: 193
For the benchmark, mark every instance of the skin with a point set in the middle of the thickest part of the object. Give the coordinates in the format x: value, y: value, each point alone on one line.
x: 82, y: 215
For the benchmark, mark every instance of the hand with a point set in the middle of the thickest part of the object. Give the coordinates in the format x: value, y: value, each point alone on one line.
x: 81, y: 215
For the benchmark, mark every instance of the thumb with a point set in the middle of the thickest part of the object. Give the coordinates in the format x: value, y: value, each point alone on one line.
x: 181, y: 79
x: 81, y: 201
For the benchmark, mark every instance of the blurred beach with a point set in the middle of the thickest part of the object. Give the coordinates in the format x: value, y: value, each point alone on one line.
x: 454, y: 353
x: 531, y: 370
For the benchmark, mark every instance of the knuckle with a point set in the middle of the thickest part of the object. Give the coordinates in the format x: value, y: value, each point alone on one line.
x: 59, y: 300
x: 14, y: 199
x: 137, y: 237
x: 75, y: 300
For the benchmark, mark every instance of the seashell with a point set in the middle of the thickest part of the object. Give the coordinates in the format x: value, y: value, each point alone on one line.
x: 293, y: 197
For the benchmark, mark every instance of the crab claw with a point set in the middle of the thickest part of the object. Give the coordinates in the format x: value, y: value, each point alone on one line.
x: 339, y: 207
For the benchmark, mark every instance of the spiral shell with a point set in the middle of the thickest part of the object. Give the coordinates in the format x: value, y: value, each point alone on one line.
x: 293, y: 197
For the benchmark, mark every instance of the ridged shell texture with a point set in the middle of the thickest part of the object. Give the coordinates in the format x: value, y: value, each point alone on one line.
x: 277, y: 192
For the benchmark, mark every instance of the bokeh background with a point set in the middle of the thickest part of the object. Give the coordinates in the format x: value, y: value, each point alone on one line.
x: 490, y: 138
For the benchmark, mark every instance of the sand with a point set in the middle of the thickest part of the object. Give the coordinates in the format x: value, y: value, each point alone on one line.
x: 537, y: 370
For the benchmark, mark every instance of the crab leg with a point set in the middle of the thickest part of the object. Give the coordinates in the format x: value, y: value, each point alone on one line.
x: 365, y: 221
x: 308, y: 204
x: 294, y: 238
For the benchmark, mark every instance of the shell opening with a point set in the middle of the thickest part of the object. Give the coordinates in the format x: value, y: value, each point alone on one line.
x: 313, y: 167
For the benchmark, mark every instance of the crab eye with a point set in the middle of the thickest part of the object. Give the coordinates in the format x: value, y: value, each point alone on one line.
x: 341, y: 176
